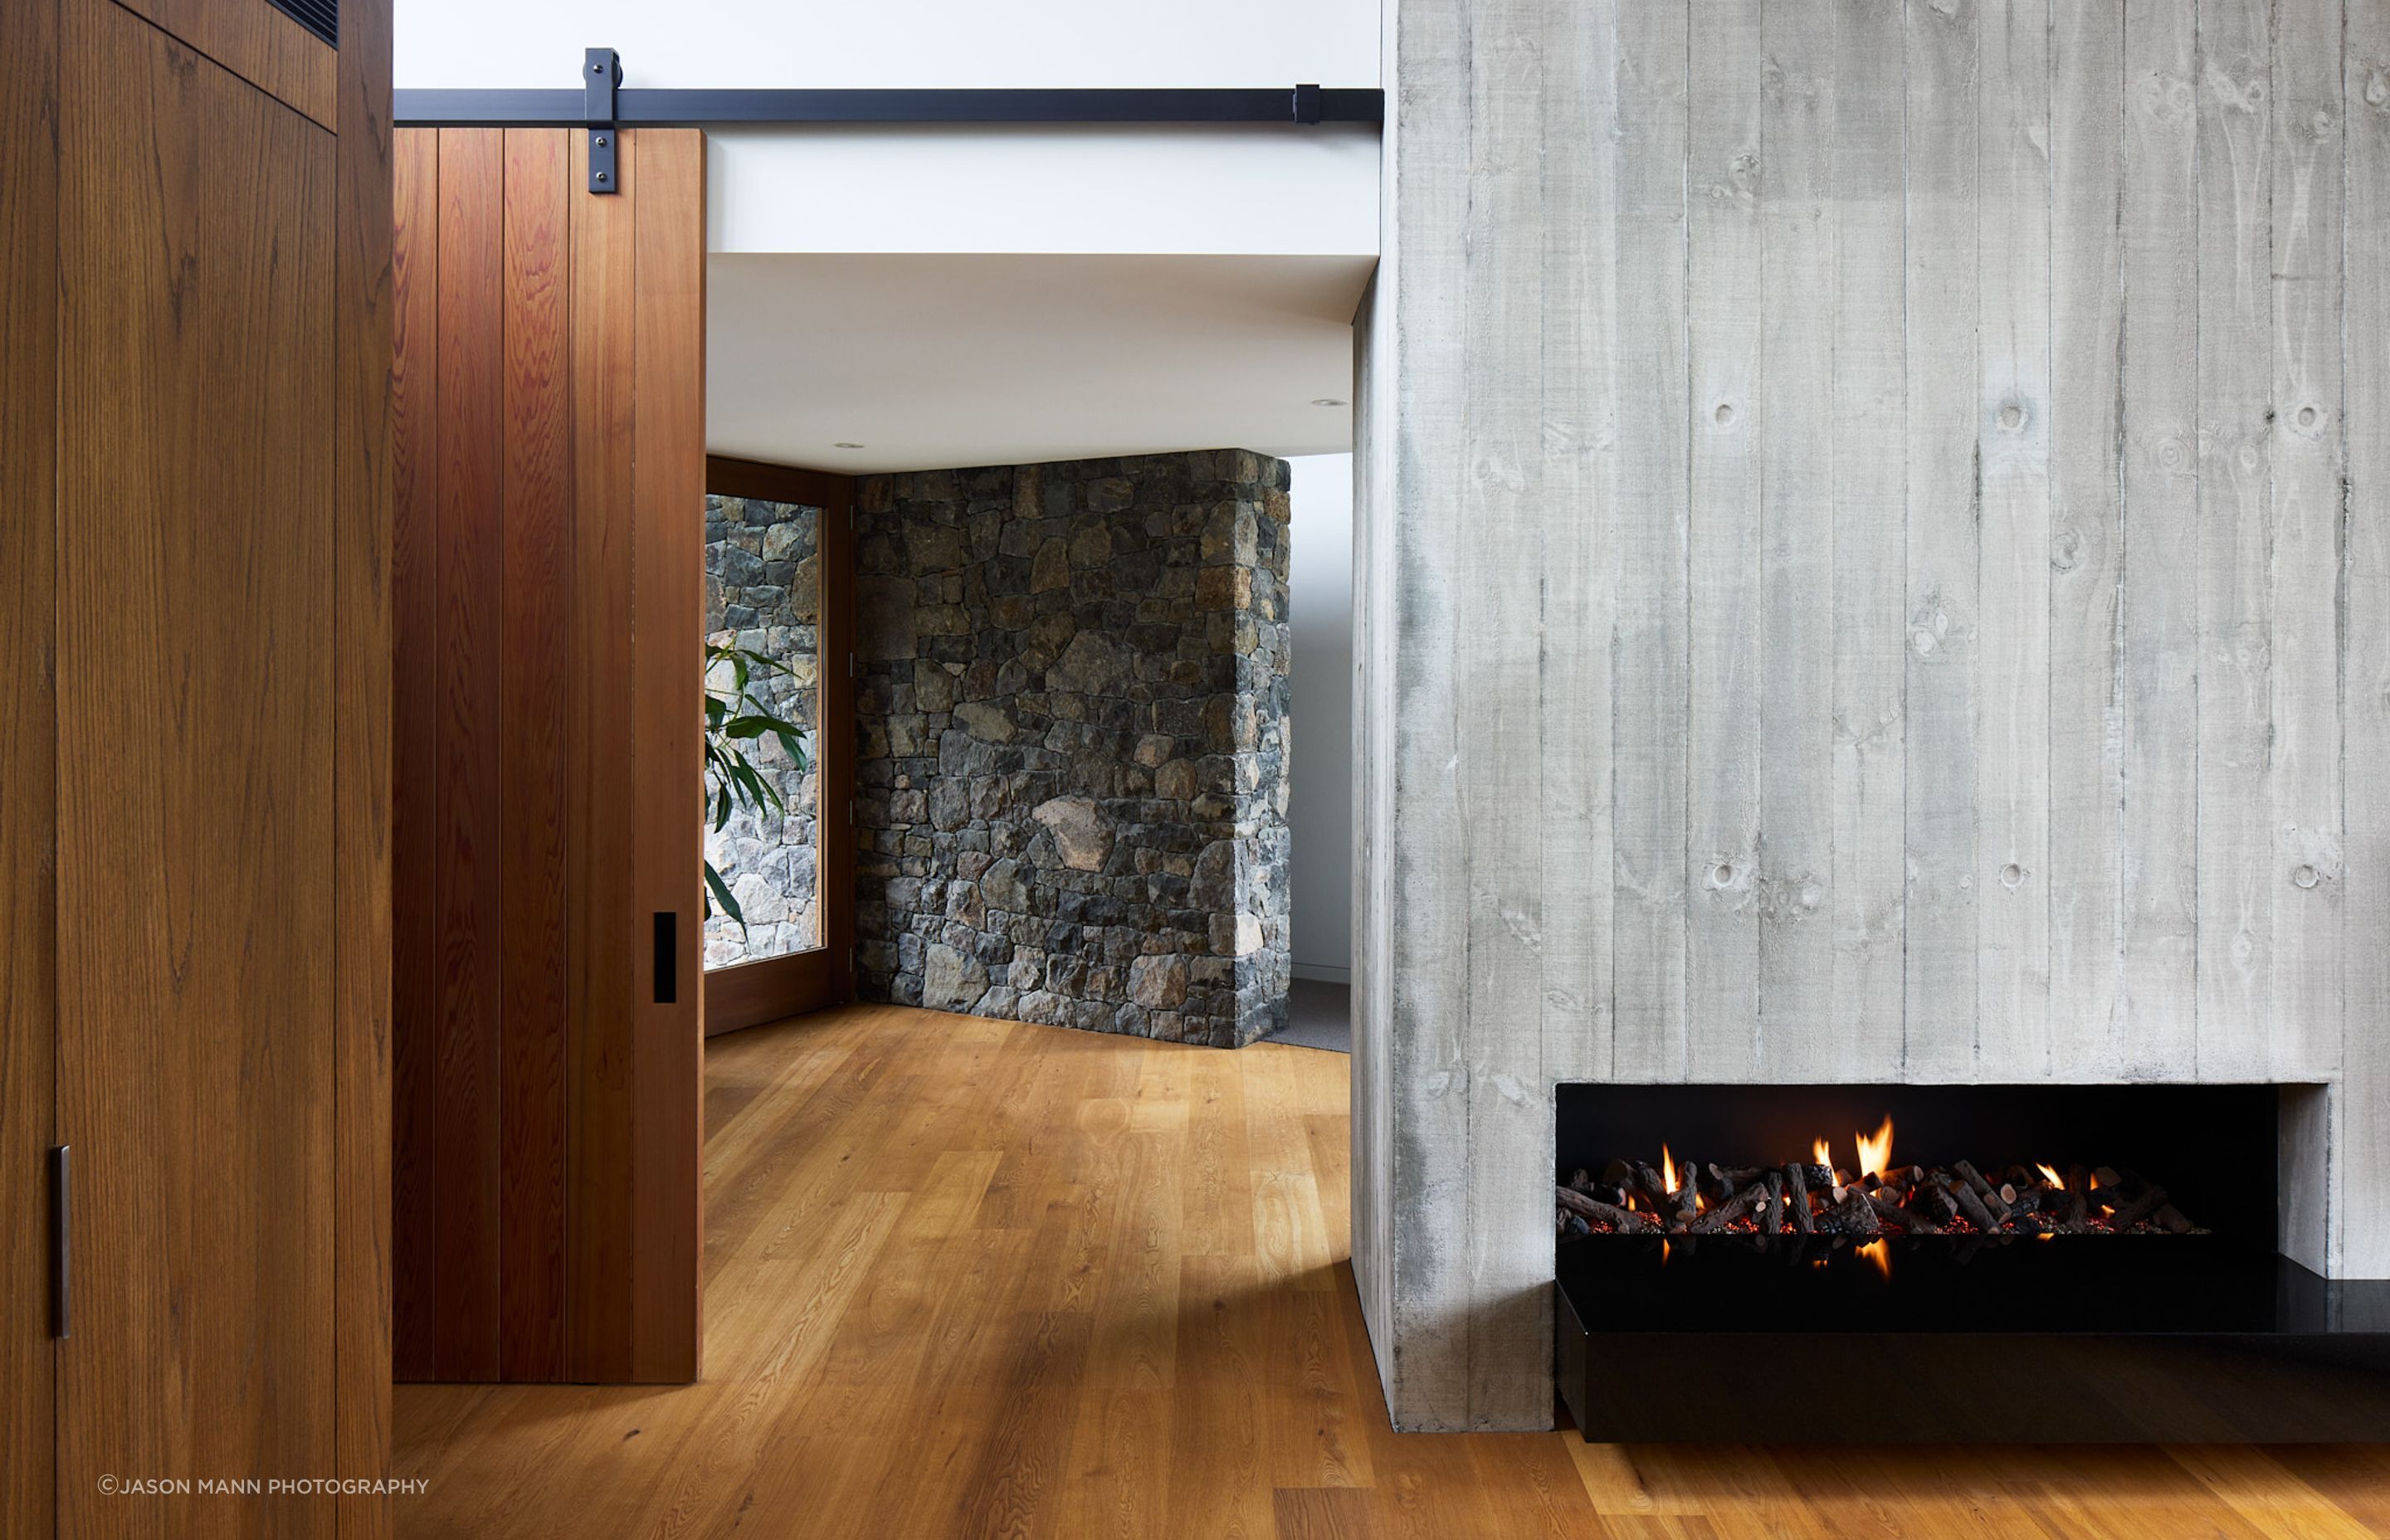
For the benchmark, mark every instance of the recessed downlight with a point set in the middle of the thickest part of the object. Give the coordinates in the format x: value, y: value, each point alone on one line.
x: 1328, y: 401
x: 843, y: 444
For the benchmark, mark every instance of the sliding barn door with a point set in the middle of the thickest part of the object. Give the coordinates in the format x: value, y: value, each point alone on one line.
x: 550, y: 439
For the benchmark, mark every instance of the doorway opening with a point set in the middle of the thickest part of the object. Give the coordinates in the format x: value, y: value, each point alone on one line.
x: 779, y: 616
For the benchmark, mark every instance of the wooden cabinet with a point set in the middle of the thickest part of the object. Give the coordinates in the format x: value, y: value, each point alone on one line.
x: 194, y: 698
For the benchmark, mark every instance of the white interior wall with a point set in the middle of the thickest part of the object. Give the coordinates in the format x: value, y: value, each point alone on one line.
x: 697, y: 44
x: 1243, y: 189
x: 1320, y: 790
x: 1227, y: 189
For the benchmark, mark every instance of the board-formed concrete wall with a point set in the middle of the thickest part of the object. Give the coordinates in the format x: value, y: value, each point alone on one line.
x: 1873, y: 560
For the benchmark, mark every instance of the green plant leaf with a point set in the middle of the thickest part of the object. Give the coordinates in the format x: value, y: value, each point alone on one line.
x: 768, y: 792
x: 722, y: 896
x: 760, y: 791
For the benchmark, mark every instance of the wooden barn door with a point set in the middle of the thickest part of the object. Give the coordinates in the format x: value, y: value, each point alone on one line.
x: 549, y: 443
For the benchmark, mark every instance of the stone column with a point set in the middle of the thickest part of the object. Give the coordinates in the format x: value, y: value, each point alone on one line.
x: 1072, y: 707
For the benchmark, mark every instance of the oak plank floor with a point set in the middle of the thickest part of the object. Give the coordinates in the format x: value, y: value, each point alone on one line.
x: 971, y: 1278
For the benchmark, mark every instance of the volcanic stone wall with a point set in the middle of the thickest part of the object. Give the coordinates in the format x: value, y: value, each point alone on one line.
x: 1071, y: 706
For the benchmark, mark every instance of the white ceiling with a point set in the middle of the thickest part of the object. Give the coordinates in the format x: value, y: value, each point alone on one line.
x: 932, y: 360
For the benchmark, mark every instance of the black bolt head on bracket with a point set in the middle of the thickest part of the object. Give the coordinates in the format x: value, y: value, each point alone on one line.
x: 601, y: 71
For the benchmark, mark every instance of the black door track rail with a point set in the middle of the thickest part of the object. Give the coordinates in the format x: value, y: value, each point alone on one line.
x: 603, y: 108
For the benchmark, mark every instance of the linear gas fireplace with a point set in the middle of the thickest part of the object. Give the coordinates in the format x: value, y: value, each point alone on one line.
x: 1901, y: 1263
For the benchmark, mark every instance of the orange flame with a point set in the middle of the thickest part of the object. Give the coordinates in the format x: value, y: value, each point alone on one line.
x: 1875, y: 1155
x: 1822, y: 1154
x: 1879, y: 1254
x: 2049, y: 1173
x: 1667, y: 1170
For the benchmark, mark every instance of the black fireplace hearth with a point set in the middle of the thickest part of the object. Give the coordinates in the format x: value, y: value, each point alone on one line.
x: 2128, y: 1339
x: 1976, y: 1282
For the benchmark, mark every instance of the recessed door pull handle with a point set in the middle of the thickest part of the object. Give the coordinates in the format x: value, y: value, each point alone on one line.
x: 61, y: 1239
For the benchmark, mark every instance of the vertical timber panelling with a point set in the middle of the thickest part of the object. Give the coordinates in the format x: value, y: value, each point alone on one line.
x: 668, y: 477
x: 535, y: 875
x: 28, y: 368
x: 197, y: 1056
x: 1945, y: 510
x: 363, y: 597
x: 469, y: 561
x: 414, y: 749
x: 2160, y: 599
x: 1870, y: 400
x: 1724, y: 284
x: 2011, y: 866
x: 2360, y: 1214
x: 2083, y: 885
x: 599, y: 722
x: 551, y: 475
x: 1651, y: 411
x: 1797, y: 550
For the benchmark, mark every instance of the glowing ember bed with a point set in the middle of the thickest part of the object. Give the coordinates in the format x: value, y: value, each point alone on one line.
x: 1894, y: 1264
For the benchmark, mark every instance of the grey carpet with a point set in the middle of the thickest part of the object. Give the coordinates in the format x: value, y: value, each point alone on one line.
x: 1318, y: 1016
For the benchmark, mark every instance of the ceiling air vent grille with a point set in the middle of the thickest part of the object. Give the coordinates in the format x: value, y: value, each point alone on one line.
x: 320, y: 17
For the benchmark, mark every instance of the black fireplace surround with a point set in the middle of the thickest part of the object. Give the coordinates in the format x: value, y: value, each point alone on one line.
x: 2210, y: 1336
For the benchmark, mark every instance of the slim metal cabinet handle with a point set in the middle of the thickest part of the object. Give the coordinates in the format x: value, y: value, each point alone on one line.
x: 61, y: 1237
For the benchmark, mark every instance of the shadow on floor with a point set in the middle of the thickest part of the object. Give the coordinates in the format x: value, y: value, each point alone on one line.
x: 1318, y: 1016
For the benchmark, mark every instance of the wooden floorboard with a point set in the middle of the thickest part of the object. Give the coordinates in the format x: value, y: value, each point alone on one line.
x: 971, y: 1277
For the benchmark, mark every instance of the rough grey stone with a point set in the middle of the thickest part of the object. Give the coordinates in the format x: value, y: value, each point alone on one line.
x: 952, y: 979
x: 1214, y: 886
x: 1071, y: 774
x: 1052, y: 568
x: 1176, y: 780
x: 1003, y: 887
x: 1157, y: 984
x: 1090, y: 665
x: 1081, y: 833
x: 985, y: 719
